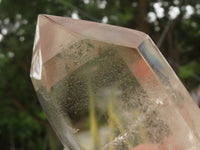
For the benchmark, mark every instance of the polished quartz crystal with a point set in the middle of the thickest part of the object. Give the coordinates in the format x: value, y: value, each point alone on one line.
x: 104, y: 87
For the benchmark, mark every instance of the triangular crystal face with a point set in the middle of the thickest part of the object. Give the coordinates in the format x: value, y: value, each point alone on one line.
x: 104, y: 87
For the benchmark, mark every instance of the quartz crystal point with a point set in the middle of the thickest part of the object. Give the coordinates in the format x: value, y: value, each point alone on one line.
x: 105, y: 87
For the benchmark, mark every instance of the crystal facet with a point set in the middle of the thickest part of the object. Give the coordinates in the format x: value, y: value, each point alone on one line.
x: 109, y: 88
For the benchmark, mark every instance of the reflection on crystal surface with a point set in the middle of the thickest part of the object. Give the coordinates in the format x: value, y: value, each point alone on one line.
x: 108, y: 92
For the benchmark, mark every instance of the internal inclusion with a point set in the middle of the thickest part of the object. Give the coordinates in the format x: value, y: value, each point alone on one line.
x: 105, y: 106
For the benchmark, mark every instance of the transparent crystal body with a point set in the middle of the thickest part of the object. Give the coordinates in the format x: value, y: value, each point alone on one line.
x: 108, y: 88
